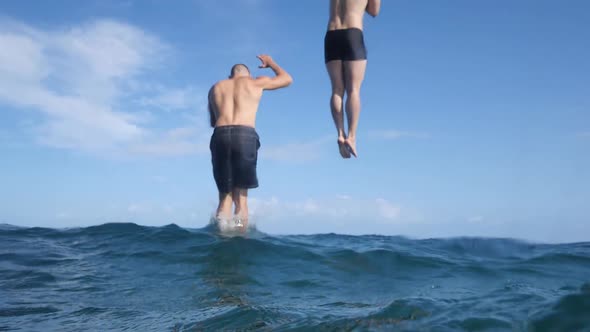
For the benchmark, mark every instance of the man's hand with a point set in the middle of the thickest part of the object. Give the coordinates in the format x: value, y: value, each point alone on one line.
x: 281, y: 80
x: 266, y: 60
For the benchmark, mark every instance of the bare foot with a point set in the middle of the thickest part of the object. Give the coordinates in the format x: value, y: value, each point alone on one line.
x: 241, y: 224
x: 350, y: 145
x: 344, y: 151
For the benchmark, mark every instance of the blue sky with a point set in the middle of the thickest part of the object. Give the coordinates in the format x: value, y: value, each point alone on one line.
x: 475, y: 120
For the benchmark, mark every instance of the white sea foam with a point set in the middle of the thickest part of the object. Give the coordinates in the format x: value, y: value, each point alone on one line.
x: 232, y: 227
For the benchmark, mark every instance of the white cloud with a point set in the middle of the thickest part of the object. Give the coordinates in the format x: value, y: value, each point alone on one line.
x: 175, y: 142
x: 79, y: 79
x: 333, y: 210
x: 135, y: 208
x: 387, y: 210
x: 310, y: 207
x: 174, y: 99
x: 475, y: 219
x: 63, y: 215
x: 263, y: 207
x: 301, y: 151
x: 397, y: 134
x: 331, y: 214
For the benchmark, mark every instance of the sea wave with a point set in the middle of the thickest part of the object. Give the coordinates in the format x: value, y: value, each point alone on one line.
x: 127, y: 276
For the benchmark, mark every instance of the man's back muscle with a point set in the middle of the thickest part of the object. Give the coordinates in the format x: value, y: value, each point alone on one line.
x: 236, y: 101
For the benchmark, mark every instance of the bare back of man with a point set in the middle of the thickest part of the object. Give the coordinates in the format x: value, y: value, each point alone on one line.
x: 233, y: 105
x: 346, y: 14
x: 346, y: 61
x: 236, y: 101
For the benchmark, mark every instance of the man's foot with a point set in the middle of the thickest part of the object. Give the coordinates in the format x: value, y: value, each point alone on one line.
x: 240, y: 221
x: 344, y: 151
x: 350, y: 145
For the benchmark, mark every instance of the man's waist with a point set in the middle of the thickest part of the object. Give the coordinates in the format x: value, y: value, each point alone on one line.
x: 237, y: 129
x: 345, y: 25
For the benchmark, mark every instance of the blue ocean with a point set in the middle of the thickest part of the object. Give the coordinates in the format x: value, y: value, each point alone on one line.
x: 126, y: 277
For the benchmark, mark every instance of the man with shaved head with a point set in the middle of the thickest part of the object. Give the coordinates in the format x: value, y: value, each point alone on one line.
x: 233, y: 104
x: 346, y: 61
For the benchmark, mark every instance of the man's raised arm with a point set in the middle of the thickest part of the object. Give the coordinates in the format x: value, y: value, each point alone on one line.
x: 373, y: 7
x: 281, y: 80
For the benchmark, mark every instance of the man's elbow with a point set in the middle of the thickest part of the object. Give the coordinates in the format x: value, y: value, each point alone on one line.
x: 373, y: 12
x: 374, y: 7
x: 288, y: 80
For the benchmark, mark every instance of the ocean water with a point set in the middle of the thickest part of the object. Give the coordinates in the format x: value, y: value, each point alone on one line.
x: 117, y: 277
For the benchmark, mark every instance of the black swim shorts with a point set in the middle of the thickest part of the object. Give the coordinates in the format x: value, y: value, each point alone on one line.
x: 234, y: 155
x: 345, y: 45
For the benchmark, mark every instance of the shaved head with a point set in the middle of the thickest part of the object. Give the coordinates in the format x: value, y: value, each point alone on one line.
x: 239, y: 70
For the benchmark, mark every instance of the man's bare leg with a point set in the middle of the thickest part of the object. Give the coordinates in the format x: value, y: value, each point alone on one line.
x: 354, y: 74
x: 224, y: 207
x: 240, y: 198
x: 335, y: 70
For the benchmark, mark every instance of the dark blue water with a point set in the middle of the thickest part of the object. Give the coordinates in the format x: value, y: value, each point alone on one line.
x: 130, y: 277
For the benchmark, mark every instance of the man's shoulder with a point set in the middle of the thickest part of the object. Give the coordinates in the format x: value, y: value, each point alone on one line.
x: 218, y: 85
x: 220, y: 82
x: 232, y: 82
x: 247, y: 81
